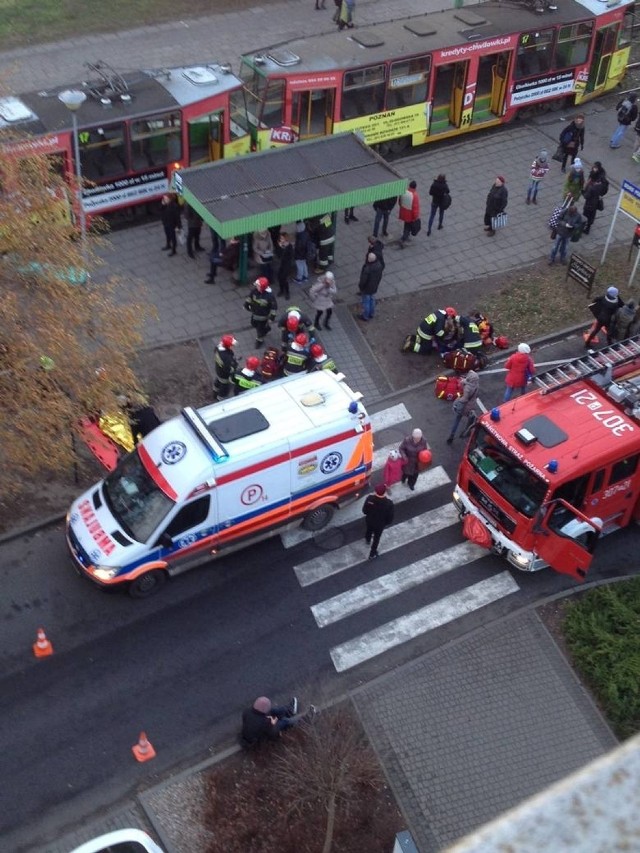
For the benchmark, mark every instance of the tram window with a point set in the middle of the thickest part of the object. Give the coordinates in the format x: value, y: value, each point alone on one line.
x: 627, y: 30
x: 363, y: 92
x: 205, y: 133
x: 238, y: 125
x: 272, y: 111
x: 623, y: 469
x: 534, y: 54
x: 156, y: 141
x: 102, y: 152
x: 408, y: 81
x: 573, y: 45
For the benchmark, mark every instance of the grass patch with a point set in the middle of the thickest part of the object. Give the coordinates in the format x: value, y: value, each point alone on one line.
x: 602, y: 631
x: 29, y: 22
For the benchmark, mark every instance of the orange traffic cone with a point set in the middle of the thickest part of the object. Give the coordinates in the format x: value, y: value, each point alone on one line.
x: 143, y: 750
x: 42, y: 648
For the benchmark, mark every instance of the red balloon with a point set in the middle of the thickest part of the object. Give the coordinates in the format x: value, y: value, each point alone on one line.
x: 425, y: 457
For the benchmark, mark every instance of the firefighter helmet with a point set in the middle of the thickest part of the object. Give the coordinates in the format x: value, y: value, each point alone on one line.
x: 302, y: 339
x: 316, y: 350
x: 450, y: 312
x: 253, y: 362
x: 228, y: 341
x: 292, y: 323
x: 261, y: 283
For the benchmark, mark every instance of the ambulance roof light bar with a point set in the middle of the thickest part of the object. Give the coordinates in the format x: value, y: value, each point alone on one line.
x: 588, y: 365
x: 199, y: 427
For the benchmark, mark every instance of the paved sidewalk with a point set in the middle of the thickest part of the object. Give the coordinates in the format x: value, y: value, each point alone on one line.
x: 471, y: 728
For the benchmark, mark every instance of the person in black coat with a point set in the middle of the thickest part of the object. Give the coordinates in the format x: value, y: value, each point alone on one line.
x: 286, y: 270
x: 572, y: 140
x: 604, y: 309
x: 383, y: 208
x: 592, y: 196
x: 378, y: 511
x: 264, y: 721
x: 171, y: 221
x: 496, y: 203
x: 438, y: 190
x: 370, y: 277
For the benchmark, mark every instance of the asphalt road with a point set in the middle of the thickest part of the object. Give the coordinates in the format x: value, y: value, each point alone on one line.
x: 182, y: 665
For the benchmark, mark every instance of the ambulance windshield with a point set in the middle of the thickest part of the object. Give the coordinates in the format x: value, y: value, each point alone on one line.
x: 135, y: 501
x: 517, y: 484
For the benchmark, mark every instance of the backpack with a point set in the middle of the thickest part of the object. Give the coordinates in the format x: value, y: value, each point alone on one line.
x: 446, y: 201
x: 624, y: 110
x: 447, y: 388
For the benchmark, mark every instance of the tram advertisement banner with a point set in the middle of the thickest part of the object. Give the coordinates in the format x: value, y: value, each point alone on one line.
x: 124, y: 191
x: 393, y: 124
x: 541, y: 88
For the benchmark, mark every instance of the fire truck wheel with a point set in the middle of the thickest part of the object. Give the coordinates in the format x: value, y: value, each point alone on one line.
x: 318, y: 518
x: 147, y: 584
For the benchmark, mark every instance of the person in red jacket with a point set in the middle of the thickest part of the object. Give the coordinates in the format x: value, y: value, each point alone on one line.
x: 409, y: 213
x: 520, y: 369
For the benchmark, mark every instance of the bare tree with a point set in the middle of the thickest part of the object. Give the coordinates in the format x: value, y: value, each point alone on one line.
x: 326, y: 767
x: 65, y: 344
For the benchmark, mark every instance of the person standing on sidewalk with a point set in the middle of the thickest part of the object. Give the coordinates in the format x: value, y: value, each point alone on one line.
x: 322, y: 294
x: 409, y: 213
x: 383, y: 209
x: 567, y: 224
x: 520, y: 371
x: 263, y: 306
x: 225, y: 363
x: 378, y: 511
x: 604, y: 308
x: 370, y: 278
x: 539, y: 169
x: 626, y: 113
x: 287, y: 264
x: 194, y: 229
x: 572, y: 140
x: 574, y: 182
x: 464, y: 404
x: 497, y: 199
x: 410, y: 452
x: 171, y: 222
x: 300, y: 250
x: 439, y: 192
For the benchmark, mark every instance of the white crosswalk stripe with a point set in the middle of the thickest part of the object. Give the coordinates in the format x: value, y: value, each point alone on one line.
x: 319, y: 568
x: 419, y: 622
x: 379, y: 589
x: 433, y: 478
x: 391, y: 416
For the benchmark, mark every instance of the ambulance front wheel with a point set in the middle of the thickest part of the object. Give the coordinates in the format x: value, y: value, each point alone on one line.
x: 147, y: 584
x: 319, y: 517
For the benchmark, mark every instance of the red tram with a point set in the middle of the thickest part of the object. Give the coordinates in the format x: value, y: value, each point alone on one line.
x: 133, y: 130
x: 434, y: 76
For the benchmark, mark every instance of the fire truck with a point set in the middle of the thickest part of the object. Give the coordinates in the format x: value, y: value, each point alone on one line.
x: 549, y: 473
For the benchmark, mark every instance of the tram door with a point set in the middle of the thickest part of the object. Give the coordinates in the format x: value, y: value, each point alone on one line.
x: 205, y: 135
x: 312, y: 112
x: 606, y: 39
x: 448, y: 97
x: 491, y: 103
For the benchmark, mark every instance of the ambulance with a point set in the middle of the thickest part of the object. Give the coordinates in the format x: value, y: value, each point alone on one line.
x: 223, y: 476
x: 546, y: 475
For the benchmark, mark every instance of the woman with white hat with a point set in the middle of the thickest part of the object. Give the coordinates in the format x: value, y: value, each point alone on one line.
x: 520, y: 370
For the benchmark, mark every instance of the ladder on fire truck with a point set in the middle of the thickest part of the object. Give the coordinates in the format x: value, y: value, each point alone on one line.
x: 603, y: 361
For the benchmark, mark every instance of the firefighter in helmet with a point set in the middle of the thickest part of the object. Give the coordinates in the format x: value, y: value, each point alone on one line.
x: 296, y: 356
x: 225, y: 364
x: 293, y: 322
x: 262, y: 304
x: 248, y: 377
x: 436, y: 329
x: 471, y: 339
x: 325, y: 234
x: 320, y: 360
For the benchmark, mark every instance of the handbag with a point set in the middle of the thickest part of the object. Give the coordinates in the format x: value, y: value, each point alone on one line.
x: 446, y: 201
x: 559, y: 155
x: 416, y: 225
x: 600, y: 205
x: 499, y: 221
x: 181, y: 237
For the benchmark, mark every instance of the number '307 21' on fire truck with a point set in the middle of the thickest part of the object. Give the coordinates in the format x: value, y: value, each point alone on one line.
x: 223, y: 476
x: 550, y: 472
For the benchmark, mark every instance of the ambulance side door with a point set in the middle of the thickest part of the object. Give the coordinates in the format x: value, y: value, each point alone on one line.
x: 257, y: 495
x: 180, y: 541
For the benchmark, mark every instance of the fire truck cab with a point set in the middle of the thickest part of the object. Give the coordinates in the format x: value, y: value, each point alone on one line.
x: 549, y: 473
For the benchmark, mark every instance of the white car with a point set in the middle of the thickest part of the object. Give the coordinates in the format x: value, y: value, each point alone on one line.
x: 120, y: 841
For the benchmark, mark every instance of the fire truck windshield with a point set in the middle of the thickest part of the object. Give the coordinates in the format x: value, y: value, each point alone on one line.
x: 135, y: 501
x: 519, y: 486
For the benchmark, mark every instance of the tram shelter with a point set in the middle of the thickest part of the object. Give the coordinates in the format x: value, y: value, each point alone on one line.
x: 281, y: 185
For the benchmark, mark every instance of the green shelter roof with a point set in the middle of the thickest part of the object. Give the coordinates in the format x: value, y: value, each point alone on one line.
x: 286, y: 184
